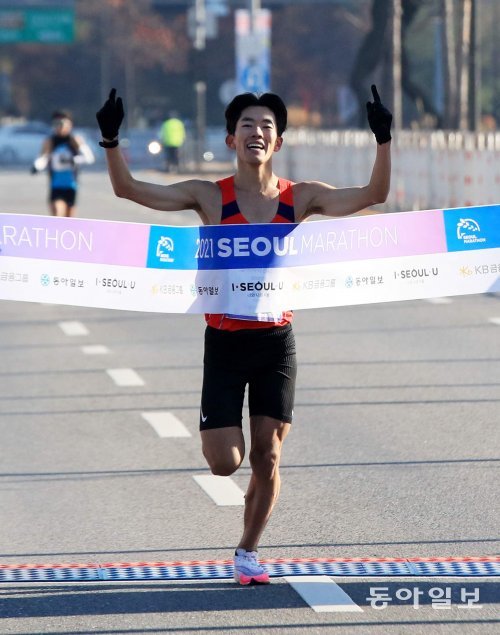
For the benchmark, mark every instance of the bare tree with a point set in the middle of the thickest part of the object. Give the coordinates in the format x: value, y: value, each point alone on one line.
x: 372, y: 51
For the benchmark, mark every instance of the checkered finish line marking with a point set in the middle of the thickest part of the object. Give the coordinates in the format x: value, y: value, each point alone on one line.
x: 221, y: 569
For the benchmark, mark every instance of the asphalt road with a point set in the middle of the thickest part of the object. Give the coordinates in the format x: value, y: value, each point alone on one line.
x: 394, y: 452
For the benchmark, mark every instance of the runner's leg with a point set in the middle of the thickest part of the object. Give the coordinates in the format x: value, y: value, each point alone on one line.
x: 223, y: 448
x: 267, y: 436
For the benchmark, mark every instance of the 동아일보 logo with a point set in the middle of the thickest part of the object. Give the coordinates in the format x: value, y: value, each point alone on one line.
x: 468, y: 231
x: 165, y: 249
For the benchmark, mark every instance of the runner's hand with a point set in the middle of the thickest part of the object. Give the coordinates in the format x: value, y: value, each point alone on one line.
x: 110, y: 116
x: 379, y: 118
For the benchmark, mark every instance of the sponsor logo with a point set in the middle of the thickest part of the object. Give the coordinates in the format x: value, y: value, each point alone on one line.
x: 257, y: 286
x: 206, y: 290
x: 366, y: 280
x: 115, y: 283
x: 13, y: 276
x: 61, y: 281
x: 167, y: 289
x: 165, y: 249
x: 468, y: 231
x: 480, y: 270
x: 311, y: 285
x: 203, y: 418
x: 411, y: 274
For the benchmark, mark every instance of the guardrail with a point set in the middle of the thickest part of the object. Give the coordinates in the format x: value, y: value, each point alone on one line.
x: 430, y: 170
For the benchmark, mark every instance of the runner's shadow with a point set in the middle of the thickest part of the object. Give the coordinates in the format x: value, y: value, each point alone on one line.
x: 38, y: 601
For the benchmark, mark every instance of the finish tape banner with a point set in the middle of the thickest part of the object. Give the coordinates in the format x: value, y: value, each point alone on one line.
x: 250, y: 269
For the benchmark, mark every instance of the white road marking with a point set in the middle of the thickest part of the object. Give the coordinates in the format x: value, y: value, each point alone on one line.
x: 221, y: 489
x: 495, y: 320
x: 125, y: 377
x: 323, y: 594
x: 439, y: 300
x: 166, y: 424
x: 95, y: 349
x: 73, y: 328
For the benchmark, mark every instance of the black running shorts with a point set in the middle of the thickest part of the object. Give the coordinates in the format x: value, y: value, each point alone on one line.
x: 66, y: 194
x: 262, y: 358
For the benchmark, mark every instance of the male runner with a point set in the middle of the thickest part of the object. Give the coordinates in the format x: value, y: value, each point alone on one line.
x: 62, y: 153
x: 254, y: 350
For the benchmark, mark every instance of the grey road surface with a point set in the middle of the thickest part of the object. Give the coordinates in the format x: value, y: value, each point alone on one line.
x: 394, y: 452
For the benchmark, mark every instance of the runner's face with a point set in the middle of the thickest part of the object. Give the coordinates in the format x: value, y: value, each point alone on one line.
x: 62, y: 126
x: 256, y: 136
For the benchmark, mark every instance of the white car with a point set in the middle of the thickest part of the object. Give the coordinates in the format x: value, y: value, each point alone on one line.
x: 21, y: 143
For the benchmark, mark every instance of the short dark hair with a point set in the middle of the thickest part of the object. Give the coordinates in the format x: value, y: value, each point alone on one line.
x: 62, y: 114
x: 245, y: 100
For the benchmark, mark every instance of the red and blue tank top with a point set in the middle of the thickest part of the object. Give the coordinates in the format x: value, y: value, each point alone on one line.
x: 231, y: 215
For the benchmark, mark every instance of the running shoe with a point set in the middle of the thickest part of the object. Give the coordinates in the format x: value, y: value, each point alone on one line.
x: 247, y: 569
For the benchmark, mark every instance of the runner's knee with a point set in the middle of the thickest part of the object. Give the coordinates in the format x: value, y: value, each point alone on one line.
x: 264, y: 462
x: 222, y: 466
x: 223, y: 462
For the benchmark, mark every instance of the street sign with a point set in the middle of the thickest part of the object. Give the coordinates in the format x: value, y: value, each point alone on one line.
x: 46, y: 24
x: 253, y: 51
x: 218, y: 7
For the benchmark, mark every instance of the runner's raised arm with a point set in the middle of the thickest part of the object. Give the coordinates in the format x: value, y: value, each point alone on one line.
x: 193, y: 194
x: 314, y: 197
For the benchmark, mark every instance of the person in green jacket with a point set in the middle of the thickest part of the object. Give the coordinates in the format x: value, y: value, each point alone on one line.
x: 172, y: 137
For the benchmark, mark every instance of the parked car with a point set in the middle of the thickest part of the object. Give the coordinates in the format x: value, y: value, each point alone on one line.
x: 21, y: 143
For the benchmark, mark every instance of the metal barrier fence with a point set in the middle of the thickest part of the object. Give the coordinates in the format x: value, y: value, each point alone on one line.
x: 430, y: 170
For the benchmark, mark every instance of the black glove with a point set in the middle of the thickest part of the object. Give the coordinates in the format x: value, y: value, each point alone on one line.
x: 379, y: 118
x: 110, y: 116
x: 33, y: 170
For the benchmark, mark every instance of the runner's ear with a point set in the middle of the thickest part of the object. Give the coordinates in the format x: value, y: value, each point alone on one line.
x: 278, y: 144
x: 230, y: 141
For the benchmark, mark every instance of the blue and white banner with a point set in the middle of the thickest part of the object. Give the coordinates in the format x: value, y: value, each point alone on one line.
x: 250, y: 269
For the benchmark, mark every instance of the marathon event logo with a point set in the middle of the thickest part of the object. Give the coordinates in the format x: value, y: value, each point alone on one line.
x: 172, y: 247
x: 472, y: 228
x: 469, y: 231
x: 269, y: 245
x: 165, y: 249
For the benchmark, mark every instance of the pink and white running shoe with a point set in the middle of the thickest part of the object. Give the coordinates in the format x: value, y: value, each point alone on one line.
x: 247, y: 569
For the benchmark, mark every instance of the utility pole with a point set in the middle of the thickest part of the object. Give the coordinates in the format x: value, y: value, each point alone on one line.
x: 254, y: 7
x: 200, y: 16
x: 129, y: 67
x: 104, y: 60
x: 475, y: 68
x: 200, y: 85
x: 396, y: 65
x: 450, y: 65
x: 465, y: 66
